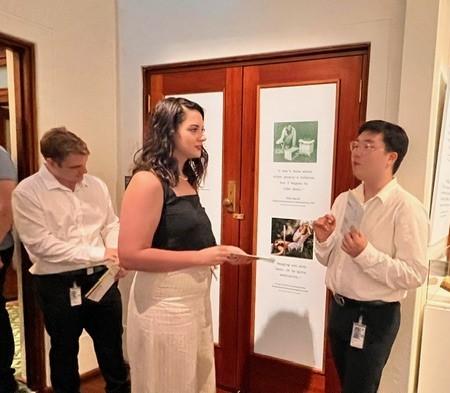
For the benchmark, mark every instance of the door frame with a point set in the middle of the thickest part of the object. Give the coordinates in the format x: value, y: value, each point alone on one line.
x: 27, y: 164
x: 245, y: 272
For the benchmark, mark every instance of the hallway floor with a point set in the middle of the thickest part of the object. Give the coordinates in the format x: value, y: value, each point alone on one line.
x: 95, y: 384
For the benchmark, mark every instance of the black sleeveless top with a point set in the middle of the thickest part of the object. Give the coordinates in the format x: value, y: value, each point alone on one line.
x: 184, y: 224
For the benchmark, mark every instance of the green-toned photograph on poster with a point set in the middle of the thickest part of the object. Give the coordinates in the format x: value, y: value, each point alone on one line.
x: 295, y: 141
x: 292, y: 238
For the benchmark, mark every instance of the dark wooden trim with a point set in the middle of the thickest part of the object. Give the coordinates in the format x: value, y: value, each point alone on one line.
x: 10, y: 287
x: 364, y: 87
x: 4, y: 112
x: 2, y: 56
x: 4, y: 96
x: 264, y: 58
x: 219, y: 390
x: 27, y: 154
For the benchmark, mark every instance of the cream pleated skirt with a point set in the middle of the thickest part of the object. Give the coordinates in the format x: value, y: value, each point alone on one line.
x: 169, y: 332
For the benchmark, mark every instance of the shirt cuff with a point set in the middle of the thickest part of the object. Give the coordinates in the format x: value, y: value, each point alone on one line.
x: 95, y: 254
x: 327, y: 243
x: 367, y: 257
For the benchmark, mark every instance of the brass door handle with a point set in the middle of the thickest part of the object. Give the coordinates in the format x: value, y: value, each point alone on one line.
x: 227, y: 203
x: 230, y: 200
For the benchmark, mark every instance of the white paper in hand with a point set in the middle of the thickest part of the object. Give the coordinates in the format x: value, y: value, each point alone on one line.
x: 105, y: 282
x: 246, y: 258
x: 353, y: 214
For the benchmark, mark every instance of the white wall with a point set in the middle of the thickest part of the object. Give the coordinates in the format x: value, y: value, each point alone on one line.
x: 75, y: 45
x: 76, y: 70
x: 419, y: 46
x: 426, y: 54
x: 156, y: 32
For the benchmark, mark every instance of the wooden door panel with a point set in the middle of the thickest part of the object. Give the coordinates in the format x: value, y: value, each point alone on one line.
x: 262, y: 373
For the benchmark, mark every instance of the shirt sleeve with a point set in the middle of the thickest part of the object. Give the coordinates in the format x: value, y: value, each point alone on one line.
x: 110, y: 231
x: 39, y: 241
x: 324, y: 250
x: 407, y: 268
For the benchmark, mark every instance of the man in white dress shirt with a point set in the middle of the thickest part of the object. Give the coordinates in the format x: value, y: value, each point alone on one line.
x: 67, y: 224
x: 374, y: 247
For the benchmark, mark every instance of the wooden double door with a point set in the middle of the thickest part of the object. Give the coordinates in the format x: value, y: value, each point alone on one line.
x: 278, y: 129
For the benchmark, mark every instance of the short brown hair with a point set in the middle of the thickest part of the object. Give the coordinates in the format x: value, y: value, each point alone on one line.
x: 59, y: 142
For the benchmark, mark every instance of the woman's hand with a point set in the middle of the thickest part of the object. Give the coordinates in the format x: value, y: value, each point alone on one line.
x: 219, y: 254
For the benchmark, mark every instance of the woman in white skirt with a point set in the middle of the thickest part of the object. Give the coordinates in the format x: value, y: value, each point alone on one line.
x: 166, y: 236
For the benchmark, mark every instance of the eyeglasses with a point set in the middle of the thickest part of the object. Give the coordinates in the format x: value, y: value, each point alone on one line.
x: 363, y: 147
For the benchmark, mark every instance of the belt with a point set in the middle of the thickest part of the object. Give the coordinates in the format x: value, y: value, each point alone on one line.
x: 345, y: 301
x: 84, y: 272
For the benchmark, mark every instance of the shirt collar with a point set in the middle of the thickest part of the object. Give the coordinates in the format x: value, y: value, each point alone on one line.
x: 382, y: 195
x: 52, y: 183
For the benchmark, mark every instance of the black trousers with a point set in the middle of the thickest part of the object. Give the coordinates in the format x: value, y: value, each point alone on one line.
x: 64, y: 324
x: 360, y: 369
x: 7, y: 382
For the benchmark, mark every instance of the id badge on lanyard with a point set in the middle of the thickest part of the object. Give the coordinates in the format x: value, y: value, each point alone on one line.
x: 358, y: 334
x: 75, y: 295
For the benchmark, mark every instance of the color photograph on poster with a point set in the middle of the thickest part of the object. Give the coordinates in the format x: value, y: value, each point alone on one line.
x: 295, y: 141
x: 292, y: 238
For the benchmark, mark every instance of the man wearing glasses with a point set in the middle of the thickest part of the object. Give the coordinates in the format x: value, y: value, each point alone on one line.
x: 373, y: 244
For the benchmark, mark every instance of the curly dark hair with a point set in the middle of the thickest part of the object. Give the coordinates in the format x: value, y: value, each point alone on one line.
x: 157, y: 153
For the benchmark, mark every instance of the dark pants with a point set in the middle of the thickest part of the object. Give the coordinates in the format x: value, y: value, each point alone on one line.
x: 360, y: 369
x: 7, y: 382
x: 64, y: 324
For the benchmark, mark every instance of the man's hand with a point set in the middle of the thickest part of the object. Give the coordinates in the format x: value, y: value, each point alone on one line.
x: 354, y: 242
x: 112, y: 258
x: 111, y: 255
x: 121, y: 273
x: 1, y: 263
x: 324, y: 226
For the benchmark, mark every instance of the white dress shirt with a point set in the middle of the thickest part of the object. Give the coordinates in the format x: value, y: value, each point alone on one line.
x: 64, y: 230
x: 394, y: 260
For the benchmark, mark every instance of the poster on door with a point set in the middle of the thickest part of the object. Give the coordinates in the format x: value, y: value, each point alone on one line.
x: 296, y: 150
